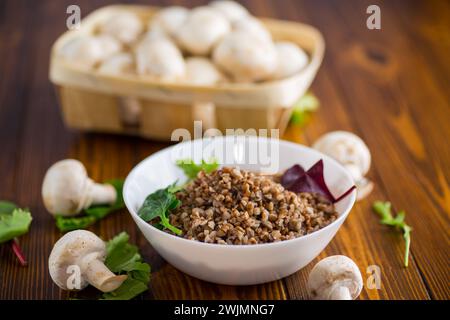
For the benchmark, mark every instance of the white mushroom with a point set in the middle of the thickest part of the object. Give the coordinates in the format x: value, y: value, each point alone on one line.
x: 245, y: 57
x: 67, y: 189
x: 232, y: 10
x: 351, y: 151
x: 159, y: 58
x: 291, y: 59
x: 169, y: 20
x: 125, y: 26
x: 253, y: 26
x: 117, y: 64
x: 155, y: 34
x: 335, y: 278
x: 201, y: 71
x: 84, y: 250
x: 87, y: 51
x: 202, y: 30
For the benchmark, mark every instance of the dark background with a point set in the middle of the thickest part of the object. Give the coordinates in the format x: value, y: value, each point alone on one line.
x: 389, y: 86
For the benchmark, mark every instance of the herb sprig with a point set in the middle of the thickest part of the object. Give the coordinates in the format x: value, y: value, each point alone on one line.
x: 383, y: 209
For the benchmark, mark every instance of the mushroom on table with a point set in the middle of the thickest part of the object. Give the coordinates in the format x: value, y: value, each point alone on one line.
x: 67, y: 189
x: 351, y: 151
x: 335, y: 278
x: 86, y: 251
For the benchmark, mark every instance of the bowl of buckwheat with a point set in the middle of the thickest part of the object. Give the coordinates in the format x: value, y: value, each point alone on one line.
x: 239, y: 210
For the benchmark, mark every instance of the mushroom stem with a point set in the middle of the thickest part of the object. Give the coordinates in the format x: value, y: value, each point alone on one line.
x: 341, y: 293
x: 102, y: 194
x: 99, y: 275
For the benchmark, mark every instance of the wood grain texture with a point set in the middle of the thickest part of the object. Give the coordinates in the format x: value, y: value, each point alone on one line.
x: 388, y: 86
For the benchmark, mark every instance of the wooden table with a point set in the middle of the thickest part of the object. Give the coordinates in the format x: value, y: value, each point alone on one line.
x: 389, y: 86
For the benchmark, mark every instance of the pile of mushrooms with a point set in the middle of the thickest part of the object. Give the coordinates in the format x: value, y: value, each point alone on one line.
x: 351, y: 151
x: 207, y: 45
x: 85, y: 251
x: 67, y: 189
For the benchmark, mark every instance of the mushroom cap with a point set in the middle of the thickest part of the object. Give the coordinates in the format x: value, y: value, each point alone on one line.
x: 65, y: 187
x: 253, y: 26
x: 231, y: 10
x: 125, y: 26
x: 87, y: 51
x: 202, y: 30
x: 117, y: 64
x: 109, y: 45
x: 291, y: 59
x: 245, y: 57
x: 201, y: 71
x: 169, y: 20
x: 331, y: 273
x: 160, y: 58
x: 69, y: 250
x: 348, y: 149
x: 155, y: 34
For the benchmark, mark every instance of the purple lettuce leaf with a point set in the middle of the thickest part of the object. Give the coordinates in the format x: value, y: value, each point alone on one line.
x: 297, y: 180
x: 291, y: 175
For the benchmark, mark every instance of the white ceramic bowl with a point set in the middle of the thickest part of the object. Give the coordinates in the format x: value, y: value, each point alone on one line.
x: 235, y: 264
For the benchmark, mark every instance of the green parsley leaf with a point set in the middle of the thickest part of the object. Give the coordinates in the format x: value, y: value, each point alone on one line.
x: 7, y: 207
x: 191, y: 169
x: 383, y: 209
x: 307, y: 104
x: 94, y: 213
x: 120, y: 254
x: 129, y: 289
x: 66, y: 224
x: 123, y: 257
x: 14, y: 224
x: 158, y: 205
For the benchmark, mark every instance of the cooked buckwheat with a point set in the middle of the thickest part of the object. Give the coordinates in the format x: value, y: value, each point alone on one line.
x: 231, y: 206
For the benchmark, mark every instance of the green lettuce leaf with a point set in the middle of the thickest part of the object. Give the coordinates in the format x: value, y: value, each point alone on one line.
x: 14, y: 221
x: 123, y: 257
x: 66, y: 224
x: 191, y: 169
x: 158, y: 205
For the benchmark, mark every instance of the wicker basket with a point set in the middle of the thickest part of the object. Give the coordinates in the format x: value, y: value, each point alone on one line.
x: 93, y: 102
